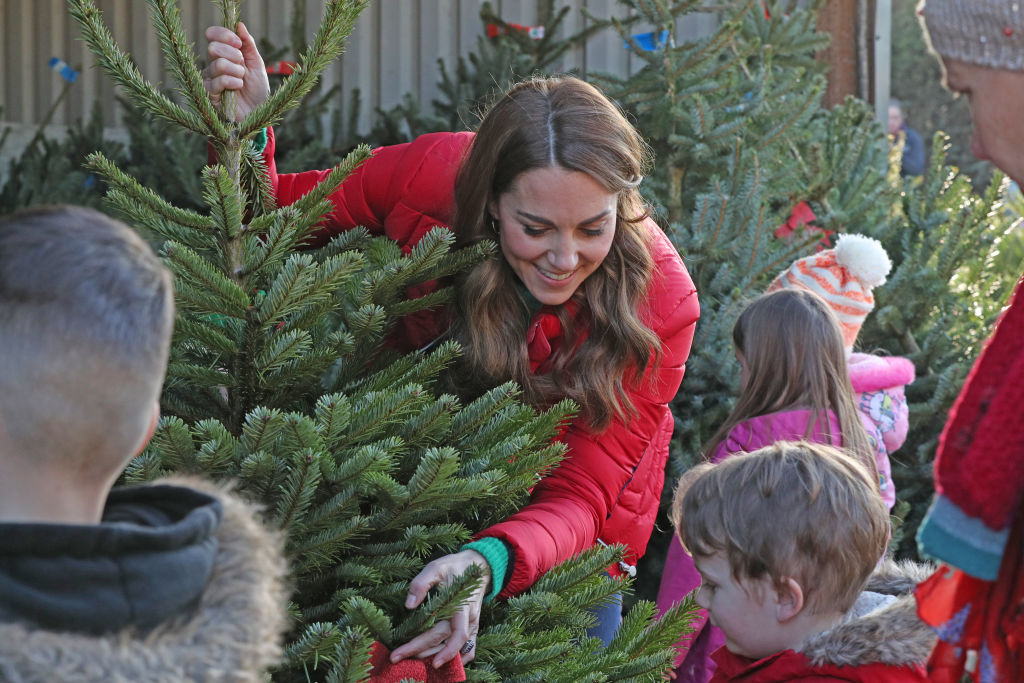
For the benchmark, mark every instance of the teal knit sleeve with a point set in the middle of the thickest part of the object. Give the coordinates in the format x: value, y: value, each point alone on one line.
x: 496, y: 554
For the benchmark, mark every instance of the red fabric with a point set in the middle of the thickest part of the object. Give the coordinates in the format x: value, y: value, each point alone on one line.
x: 793, y: 666
x: 415, y: 669
x: 975, y: 616
x: 543, y: 336
x: 800, y: 220
x: 281, y: 68
x: 610, y: 485
x: 980, y: 461
x: 535, y: 32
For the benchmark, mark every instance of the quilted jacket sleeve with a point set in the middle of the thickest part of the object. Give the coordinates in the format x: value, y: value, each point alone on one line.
x: 569, y: 507
x: 400, y: 191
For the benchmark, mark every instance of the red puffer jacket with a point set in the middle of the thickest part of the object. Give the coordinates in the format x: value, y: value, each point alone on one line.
x: 609, y: 485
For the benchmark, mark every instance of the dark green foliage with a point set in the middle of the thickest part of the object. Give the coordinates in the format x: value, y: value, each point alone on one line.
x: 938, y: 306
x: 49, y: 169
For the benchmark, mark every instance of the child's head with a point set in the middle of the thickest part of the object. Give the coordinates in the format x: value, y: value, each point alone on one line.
x: 86, y: 311
x: 791, y: 349
x: 783, y: 536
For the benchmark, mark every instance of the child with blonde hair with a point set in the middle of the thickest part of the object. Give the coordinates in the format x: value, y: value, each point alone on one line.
x: 787, y: 540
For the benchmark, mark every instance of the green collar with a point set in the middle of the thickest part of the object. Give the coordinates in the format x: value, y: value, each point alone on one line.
x: 532, y: 305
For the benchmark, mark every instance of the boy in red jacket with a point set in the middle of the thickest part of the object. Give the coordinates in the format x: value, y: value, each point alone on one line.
x: 787, y: 541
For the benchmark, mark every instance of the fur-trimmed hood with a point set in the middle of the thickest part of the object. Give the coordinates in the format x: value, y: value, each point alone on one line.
x: 881, y: 640
x: 232, y: 634
x: 891, y: 634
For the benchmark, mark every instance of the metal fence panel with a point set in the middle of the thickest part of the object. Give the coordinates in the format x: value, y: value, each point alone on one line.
x: 393, y: 50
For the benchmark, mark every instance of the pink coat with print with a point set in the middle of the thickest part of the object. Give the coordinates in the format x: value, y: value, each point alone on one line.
x: 879, y: 383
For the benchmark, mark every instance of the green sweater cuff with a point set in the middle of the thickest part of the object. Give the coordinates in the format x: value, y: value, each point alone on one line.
x: 496, y: 554
x: 259, y: 143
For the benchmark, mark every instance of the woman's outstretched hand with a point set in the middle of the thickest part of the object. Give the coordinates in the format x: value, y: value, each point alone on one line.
x: 450, y: 638
x: 235, y: 65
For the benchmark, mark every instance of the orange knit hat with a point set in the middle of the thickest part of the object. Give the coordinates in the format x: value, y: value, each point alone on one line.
x: 844, y: 277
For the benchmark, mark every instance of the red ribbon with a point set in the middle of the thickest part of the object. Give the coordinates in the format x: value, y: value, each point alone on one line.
x: 415, y: 669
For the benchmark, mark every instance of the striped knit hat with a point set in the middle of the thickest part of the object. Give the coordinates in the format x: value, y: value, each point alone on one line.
x: 843, y: 277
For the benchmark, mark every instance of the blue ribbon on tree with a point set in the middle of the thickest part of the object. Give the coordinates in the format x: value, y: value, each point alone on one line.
x: 648, y: 42
x: 61, y: 67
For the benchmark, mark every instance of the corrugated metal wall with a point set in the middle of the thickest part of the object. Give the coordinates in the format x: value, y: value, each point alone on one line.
x: 392, y: 51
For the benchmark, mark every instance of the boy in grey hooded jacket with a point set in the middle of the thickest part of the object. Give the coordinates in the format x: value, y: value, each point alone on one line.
x: 170, y: 582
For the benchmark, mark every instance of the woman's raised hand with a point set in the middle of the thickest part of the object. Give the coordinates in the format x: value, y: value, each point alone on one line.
x: 450, y: 638
x: 235, y: 65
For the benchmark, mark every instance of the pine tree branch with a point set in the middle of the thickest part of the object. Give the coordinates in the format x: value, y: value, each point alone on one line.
x: 219, y: 291
x: 182, y: 64
x: 124, y: 72
x: 284, y: 348
x: 335, y: 26
x: 100, y: 164
x: 298, y: 490
x: 318, y: 195
x: 196, y: 333
x: 226, y: 201
x: 352, y: 658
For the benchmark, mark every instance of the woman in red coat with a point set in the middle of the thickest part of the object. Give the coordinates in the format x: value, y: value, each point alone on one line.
x: 588, y: 300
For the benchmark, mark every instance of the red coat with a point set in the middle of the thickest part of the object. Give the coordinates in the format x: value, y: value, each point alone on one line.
x: 793, y: 666
x: 609, y: 485
x: 881, y: 640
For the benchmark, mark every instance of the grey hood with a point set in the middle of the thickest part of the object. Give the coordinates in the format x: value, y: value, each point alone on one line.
x: 883, y: 627
x: 229, y: 630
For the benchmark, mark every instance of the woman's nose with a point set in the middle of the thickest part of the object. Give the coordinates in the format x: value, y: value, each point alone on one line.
x: 564, y: 256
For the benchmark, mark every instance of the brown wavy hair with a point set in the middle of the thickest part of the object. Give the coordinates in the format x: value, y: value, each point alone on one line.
x: 789, y: 510
x: 793, y: 348
x: 564, y: 123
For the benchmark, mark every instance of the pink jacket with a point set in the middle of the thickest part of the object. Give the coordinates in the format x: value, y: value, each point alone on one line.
x: 878, y: 382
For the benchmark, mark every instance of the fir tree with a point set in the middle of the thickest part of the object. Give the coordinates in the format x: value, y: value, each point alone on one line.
x: 50, y: 167
x: 740, y: 137
x: 938, y: 306
x: 279, y: 380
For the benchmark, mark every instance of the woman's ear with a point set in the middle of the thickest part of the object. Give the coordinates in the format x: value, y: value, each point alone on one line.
x: 789, y: 599
x: 492, y: 209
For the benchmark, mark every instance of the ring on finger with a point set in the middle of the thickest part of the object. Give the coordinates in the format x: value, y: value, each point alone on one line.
x: 468, y: 647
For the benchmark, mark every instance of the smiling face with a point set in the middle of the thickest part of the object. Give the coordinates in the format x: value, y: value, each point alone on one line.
x: 746, y: 611
x: 996, y: 97
x: 556, y: 227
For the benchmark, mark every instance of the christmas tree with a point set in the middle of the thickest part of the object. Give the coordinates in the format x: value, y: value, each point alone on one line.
x: 280, y: 380
x: 948, y: 285
x: 741, y: 140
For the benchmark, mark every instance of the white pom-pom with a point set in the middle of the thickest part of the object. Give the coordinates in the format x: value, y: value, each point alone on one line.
x: 864, y: 257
